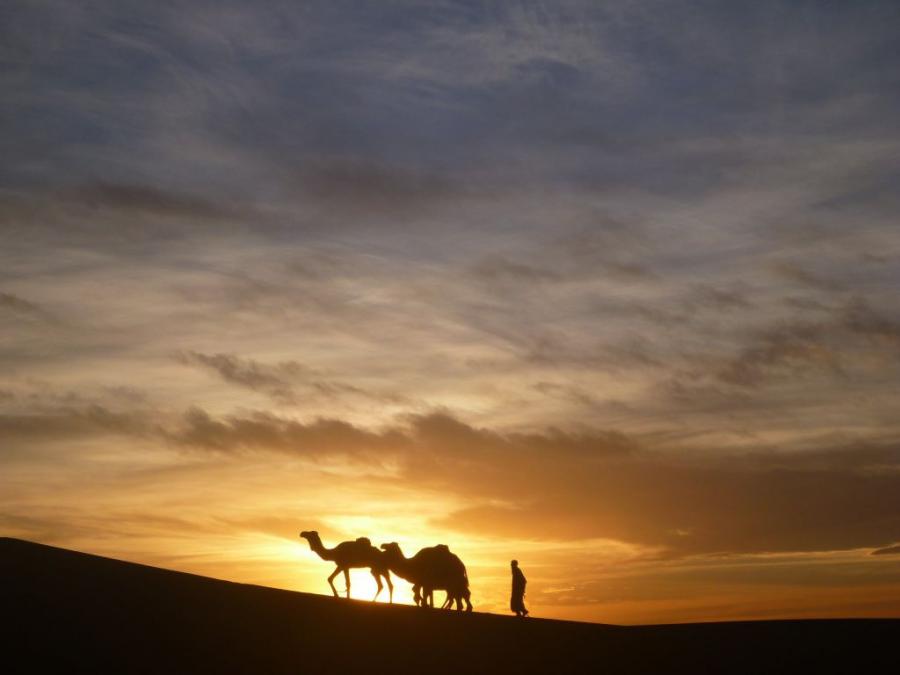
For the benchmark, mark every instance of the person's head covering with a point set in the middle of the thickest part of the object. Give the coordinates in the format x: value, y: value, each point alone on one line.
x: 514, y: 563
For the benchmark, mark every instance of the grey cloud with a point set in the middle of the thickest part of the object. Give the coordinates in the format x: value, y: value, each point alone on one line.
x: 452, y: 77
x: 446, y: 436
x: 266, y: 432
x: 792, y: 348
x: 315, y: 266
x: 559, y: 485
x: 875, y: 258
x: 120, y: 220
x: 17, y: 304
x: 631, y: 271
x: 129, y: 394
x: 605, y: 245
x: 798, y: 346
x: 498, y: 268
x: 146, y: 199
x: 795, y: 273
x: 374, y: 190
x: 275, y: 381
x: 286, y: 382
x: 68, y: 423
x: 722, y: 299
x: 236, y: 290
x: 556, y: 349
x: 577, y: 486
x: 22, y: 308
x: 861, y: 319
x: 635, y: 352
x: 425, y: 440
x: 806, y: 303
x: 567, y: 392
x: 35, y: 396
x: 695, y: 508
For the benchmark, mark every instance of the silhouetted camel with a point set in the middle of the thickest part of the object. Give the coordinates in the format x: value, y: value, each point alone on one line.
x: 440, y: 555
x: 448, y: 600
x: 434, y: 568
x: 455, y: 579
x: 418, y: 599
x: 350, y: 554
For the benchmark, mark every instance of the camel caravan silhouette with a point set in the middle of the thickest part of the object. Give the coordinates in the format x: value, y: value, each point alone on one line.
x: 434, y: 568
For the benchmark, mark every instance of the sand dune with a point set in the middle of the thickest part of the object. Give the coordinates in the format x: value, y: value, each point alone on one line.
x: 73, y: 612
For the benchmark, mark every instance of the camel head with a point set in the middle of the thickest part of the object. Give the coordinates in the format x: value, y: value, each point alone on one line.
x: 393, y: 549
x: 309, y: 535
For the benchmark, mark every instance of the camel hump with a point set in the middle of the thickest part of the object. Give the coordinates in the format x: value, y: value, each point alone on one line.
x: 443, y: 548
x: 364, y: 540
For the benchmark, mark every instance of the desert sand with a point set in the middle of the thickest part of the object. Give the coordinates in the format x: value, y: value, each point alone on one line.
x: 72, y: 612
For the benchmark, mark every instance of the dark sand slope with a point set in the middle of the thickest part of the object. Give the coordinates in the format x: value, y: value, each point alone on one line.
x: 70, y: 612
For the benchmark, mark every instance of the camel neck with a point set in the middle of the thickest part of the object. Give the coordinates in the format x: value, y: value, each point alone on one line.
x: 315, y: 544
x: 400, y: 565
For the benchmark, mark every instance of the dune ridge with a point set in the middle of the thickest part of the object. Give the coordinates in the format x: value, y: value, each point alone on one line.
x: 69, y: 611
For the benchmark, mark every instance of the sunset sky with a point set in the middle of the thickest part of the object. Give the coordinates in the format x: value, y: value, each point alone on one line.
x: 607, y: 287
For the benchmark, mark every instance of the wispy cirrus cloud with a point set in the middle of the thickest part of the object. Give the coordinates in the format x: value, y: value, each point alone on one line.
x: 275, y: 381
x: 287, y: 382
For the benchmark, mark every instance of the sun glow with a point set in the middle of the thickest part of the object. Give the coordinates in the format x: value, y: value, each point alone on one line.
x: 363, y: 587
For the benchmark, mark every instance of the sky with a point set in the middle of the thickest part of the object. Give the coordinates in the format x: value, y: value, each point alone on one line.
x: 610, y: 288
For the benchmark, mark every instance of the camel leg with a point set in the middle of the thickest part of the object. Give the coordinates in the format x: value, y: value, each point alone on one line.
x: 347, y: 580
x: 337, y: 570
x: 387, y: 578
x: 377, y: 581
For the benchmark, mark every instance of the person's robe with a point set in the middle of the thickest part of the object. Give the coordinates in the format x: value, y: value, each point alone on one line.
x: 517, y: 598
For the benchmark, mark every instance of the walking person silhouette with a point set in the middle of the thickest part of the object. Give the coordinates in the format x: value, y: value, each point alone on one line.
x: 517, y: 598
